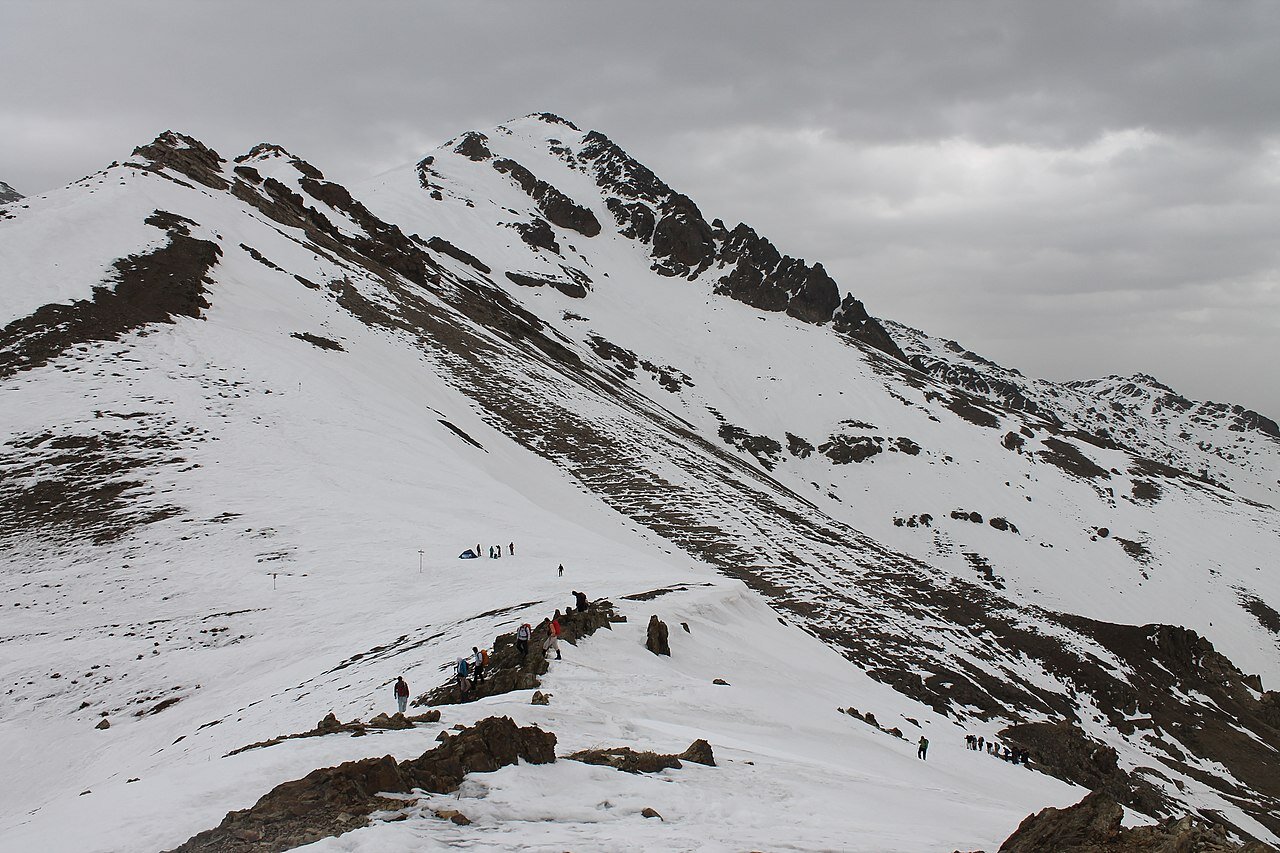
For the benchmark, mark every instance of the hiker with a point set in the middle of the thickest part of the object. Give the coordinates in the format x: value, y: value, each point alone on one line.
x: 581, y: 599
x: 460, y: 670
x: 922, y: 748
x: 478, y: 660
x: 982, y: 744
x: 511, y: 548
x: 970, y: 742
x: 477, y: 550
x: 561, y: 571
x: 523, y: 633
x: 553, y: 636
x: 402, y: 694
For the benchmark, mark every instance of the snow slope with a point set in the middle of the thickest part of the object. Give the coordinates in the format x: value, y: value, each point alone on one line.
x: 228, y: 506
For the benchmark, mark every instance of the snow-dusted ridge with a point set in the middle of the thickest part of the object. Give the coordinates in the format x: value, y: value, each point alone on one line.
x: 453, y: 353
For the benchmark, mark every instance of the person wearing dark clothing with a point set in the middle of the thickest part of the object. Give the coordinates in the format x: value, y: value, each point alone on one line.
x: 561, y: 571
x: 477, y: 550
x: 580, y: 599
x: 982, y: 742
x: 477, y: 665
x: 523, y: 633
x: 922, y: 747
x: 402, y: 694
x: 511, y: 549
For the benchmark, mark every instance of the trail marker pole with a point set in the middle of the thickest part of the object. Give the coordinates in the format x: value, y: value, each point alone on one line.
x: 419, y: 562
x: 273, y: 580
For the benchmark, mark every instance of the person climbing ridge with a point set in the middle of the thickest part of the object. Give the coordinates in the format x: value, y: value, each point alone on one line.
x: 922, y: 748
x: 523, y: 633
x: 402, y: 693
x: 580, y: 598
x: 477, y: 665
x: 460, y: 671
x: 553, y: 636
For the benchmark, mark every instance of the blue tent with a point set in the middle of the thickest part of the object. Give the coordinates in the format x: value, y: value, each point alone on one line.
x: 468, y: 555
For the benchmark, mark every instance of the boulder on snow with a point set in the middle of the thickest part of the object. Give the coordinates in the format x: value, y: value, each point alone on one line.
x: 657, y: 640
x: 720, y: 681
x: 395, y: 721
x: 699, y: 752
x: 648, y: 812
x: 104, y: 723
x: 540, y: 698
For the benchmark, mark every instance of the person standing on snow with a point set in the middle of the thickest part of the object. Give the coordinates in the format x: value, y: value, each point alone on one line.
x: 922, y: 747
x: 511, y: 548
x: 402, y: 694
x: 523, y: 633
x: 553, y: 636
x: 460, y: 671
x: 561, y: 571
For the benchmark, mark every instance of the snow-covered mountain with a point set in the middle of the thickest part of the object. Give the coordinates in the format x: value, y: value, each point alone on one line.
x: 8, y: 193
x: 252, y: 416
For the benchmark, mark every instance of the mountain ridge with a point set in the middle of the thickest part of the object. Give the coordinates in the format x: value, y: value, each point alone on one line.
x: 873, y: 504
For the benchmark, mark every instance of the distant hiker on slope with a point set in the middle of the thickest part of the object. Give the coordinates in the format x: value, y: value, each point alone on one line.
x: 511, y: 548
x: 523, y: 633
x: 580, y: 598
x: 460, y: 669
x: 478, y: 660
x: 922, y: 747
x: 561, y: 571
x: 402, y: 694
x: 553, y: 636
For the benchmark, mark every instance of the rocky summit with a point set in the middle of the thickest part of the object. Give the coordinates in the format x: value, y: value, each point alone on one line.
x: 270, y: 442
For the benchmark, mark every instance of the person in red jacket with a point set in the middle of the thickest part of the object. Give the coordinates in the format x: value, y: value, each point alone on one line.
x: 553, y: 636
x: 402, y: 694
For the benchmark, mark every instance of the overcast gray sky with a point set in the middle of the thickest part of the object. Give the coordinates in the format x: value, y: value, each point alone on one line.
x: 1073, y: 189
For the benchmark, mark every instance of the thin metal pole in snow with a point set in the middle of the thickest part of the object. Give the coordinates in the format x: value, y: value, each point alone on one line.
x: 419, y: 562
x: 273, y: 580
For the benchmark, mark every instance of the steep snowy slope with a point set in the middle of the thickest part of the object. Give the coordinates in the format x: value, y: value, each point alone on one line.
x: 528, y: 337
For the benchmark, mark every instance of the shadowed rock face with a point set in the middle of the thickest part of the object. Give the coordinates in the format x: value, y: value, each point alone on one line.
x: 1093, y: 826
x: 8, y: 193
x: 334, y: 800
x: 683, y: 243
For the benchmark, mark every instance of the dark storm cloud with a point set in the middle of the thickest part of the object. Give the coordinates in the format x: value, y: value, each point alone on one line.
x: 1071, y: 188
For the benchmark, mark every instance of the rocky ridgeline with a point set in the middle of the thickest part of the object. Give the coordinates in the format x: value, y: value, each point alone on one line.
x: 334, y: 800
x: 1093, y: 826
x: 508, y: 670
x: 628, y: 760
x: 331, y: 725
x: 8, y: 193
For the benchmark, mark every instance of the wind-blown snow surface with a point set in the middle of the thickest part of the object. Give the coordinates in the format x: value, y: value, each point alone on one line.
x: 319, y: 420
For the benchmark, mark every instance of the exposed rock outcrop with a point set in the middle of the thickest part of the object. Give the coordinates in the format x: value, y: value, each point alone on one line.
x: 1093, y: 826
x: 508, y: 670
x: 656, y: 640
x: 334, y: 800
x: 628, y: 760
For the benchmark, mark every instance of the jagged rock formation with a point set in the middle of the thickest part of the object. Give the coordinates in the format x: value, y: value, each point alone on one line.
x: 628, y: 760
x: 1093, y: 826
x: 334, y: 800
x: 8, y: 193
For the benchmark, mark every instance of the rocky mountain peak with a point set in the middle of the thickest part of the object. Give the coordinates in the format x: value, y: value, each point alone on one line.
x: 8, y: 193
x: 187, y: 156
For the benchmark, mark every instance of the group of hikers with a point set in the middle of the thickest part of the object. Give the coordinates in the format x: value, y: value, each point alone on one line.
x: 469, y: 670
x: 979, y: 743
x: 494, y: 552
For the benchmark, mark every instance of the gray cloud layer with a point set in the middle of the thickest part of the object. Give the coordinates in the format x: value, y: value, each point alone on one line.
x: 1071, y: 188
